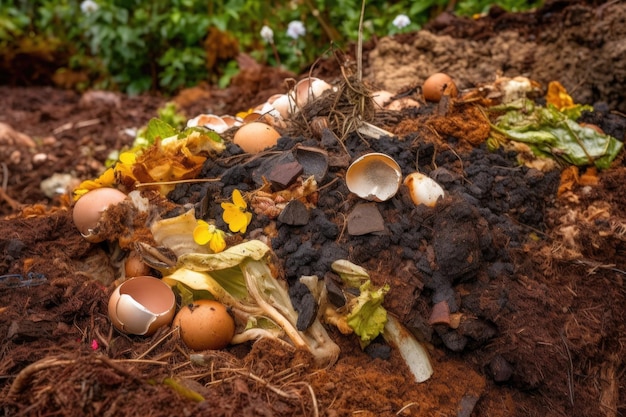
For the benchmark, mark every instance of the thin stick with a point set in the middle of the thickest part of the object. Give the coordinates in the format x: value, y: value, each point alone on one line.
x: 265, y: 383
x: 570, y: 372
x: 158, y: 342
x: 409, y: 405
x: 5, y: 176
x: 359, y: 50
x: 146, y: 184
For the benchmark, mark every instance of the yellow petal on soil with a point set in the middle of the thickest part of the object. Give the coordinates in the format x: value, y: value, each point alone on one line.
x: 235, y: 219
x: 238, y: 199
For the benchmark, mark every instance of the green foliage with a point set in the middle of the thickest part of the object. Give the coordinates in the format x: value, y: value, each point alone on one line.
x: 139, y: 45
x: 471, y: 7
x: 149, y: 44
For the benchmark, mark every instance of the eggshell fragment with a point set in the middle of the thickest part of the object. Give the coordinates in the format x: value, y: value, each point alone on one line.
x: 89, y: 208
x: 205, y: 324
x: 283, y: 104
x: 423, y: 189
x: 381, y: 98
x: 141, y: 305
x: 308, y: 89
x: 210, y: 121
x: 134, y: 266
x: 438, y: 85
x: 374, y: 177
x: 256, y: 136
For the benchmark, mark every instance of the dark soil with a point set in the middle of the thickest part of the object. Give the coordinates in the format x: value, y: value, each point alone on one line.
x: 528, y: 266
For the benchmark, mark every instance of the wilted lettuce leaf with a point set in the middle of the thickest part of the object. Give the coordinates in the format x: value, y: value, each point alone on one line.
x: 367, y: 317
x: 158, y: 129
x: 550, y: 132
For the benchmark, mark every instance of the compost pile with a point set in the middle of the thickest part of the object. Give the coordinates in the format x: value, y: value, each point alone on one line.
x: 513, y: 282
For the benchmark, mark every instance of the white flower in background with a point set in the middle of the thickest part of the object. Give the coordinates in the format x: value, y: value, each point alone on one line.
x: 401, y: 21
x: 267, y: 34
x: 89, y: 6
x: 296, y: 29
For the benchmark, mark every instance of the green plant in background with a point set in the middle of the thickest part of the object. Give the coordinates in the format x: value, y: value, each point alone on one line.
x: 148, y: 44
x: 140, y: 45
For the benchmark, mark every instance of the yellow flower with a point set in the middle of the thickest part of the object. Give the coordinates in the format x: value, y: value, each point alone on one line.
x: 207, y: 233
x: 235, y: 214
x: 128, y: 158
x: 105, y: 180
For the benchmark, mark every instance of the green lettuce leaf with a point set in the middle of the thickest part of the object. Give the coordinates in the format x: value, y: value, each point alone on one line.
x: 367, y: 317
x: 550, y: 132
x: 158, y: 129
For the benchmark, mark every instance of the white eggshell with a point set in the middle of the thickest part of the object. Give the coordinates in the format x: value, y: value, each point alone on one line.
x: 141, y: 305
x: 381, y: 98
x: 423, y: 189
x: 283, y: 104
x: 309, y: 88
x: 210, y: 121
x: 374, y: 176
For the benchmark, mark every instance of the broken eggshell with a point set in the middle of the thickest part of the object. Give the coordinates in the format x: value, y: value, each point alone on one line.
x: 374, y: 177
x: 308, y: 89
x: 141, y: 305
x: 423, y: 189
x: 89, y: 208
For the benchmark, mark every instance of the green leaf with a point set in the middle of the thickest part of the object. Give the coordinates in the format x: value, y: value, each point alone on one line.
x: 368, y: 317
x: 158, y: 129
x: 550, y: 132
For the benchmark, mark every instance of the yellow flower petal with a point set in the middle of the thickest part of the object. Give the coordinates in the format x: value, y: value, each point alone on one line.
x: 237, y: 222
x: 230, y: 212
x: 217, y: 243
x: 235, y: 215
x: 238, y: 200
x: 128, y: 158
x: 107, y: 178
x: 201, y: 234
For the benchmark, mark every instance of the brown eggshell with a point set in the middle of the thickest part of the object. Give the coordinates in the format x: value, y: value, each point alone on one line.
x: 141, y: 305
x: 134, y: 266
x: 254, y: 137
x: 437, y: 85
x: 89, y: 208
x: 205, y: 325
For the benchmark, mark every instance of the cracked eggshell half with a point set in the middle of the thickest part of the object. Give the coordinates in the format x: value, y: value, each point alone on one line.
x: 423, y: 189
x: 374, y: 177
x: 141, y: 305
x: 89, y: 208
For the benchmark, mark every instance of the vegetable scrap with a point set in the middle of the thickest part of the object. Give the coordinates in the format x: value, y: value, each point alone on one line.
x: 552, y: 131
